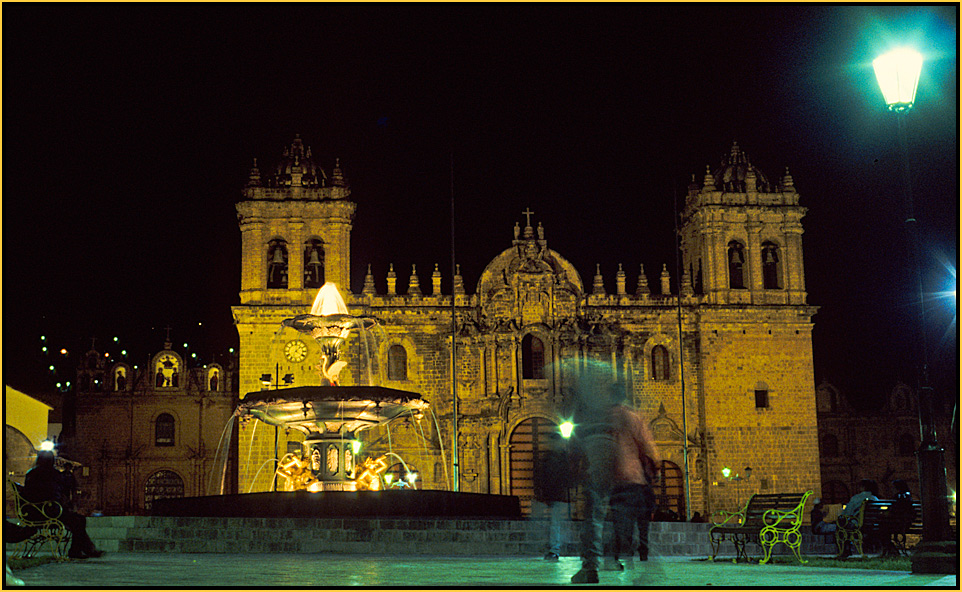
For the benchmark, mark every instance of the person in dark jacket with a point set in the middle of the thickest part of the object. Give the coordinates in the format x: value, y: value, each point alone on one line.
x: 45, y: 483
x: 551, y: 483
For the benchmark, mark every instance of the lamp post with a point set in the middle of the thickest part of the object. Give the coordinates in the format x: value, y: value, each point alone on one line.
x: 898, y: 76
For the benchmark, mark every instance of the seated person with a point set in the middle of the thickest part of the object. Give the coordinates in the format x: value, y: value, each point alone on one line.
x: 849, y: 514
x: 903, y: 513
x: 819, y: 526
x: 43, y: 483
x: 869, y: 492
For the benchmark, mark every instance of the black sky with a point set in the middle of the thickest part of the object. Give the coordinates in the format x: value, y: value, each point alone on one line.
x: 129, y: 131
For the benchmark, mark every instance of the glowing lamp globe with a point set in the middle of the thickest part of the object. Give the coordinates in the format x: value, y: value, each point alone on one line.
x: 898, y: 74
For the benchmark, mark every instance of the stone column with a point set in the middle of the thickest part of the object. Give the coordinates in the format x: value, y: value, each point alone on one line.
x: 753, y: 260
x: 295, y: 256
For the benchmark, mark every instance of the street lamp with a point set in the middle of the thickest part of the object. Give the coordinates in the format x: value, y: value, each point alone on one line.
x: 898, y: 74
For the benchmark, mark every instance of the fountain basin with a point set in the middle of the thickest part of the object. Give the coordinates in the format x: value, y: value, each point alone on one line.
x: 317, y: 410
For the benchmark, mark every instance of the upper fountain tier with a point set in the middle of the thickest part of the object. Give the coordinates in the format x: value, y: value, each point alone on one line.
x: 328, y: 317
x: 318, y: 410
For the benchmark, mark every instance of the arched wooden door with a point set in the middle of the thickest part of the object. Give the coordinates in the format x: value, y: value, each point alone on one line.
x: 526, y: 441
x: 162, y: 485
x: 670, y: 491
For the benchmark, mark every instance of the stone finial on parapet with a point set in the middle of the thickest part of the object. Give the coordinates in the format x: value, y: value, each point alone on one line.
x: 391, y: 281
x: 642, y: 289
x: 599, y: 284
x: 414, y: 284
x: 436, y: 281
x: 368, y: 289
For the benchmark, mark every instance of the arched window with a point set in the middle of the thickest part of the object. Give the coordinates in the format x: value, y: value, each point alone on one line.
x: 164, y: 430
x: 162, y: 485
x: 829, y: 446
x: 906, y: 445
x: 771, y: 269
x: 659, y: 363
x: 120, y: 379
x: 736, y: 265
x: 397, y: 363
x: 277, y: 264
x: 313, y: 264
x: 532, y: 357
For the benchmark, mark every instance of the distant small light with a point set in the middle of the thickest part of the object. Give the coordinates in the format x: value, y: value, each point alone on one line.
x: 200, y: 324
x: 388, y: 478
x: 726, y: 472
x: 231, y: 350
x: 185, y: 346
x: 116, y: 339
x: 106, y: 355
x: 46, y: 445
x: 58, y: 385
x: 412, y: 477
x: 43, y: 338
x: 51, y: 368
x: 44, y: 349
x: 68, y: 384
x: 63, y: 351
x: 193, y: 355
x: 566, y: 429
x: 123, y: 352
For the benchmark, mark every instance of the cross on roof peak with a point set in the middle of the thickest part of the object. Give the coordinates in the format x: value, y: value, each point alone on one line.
x: 527, y: 213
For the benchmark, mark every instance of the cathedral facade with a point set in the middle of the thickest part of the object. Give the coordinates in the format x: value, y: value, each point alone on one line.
x: 722, y: 369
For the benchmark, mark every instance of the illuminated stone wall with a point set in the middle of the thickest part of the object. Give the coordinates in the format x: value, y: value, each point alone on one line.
x: 117, y: 438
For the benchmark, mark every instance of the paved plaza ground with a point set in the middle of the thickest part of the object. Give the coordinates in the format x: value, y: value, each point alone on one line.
x: 202, y: 570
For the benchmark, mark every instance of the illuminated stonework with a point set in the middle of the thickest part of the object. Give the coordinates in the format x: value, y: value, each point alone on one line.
x: 746, y: 347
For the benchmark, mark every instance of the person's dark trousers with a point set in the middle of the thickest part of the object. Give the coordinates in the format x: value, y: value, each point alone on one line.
x: 14, y: 533
x: 631, y: 504
x: 77, y: 525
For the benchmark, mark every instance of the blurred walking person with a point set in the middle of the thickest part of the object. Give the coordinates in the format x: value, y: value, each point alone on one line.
x: 632, y: 498
x: 551, y: 485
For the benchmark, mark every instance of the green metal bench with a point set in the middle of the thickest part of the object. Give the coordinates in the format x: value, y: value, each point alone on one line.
x: 877, y: 520
x: 766, y: 520
x: 44, y: 519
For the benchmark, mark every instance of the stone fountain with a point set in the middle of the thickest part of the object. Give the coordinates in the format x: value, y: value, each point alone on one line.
x: 324, y: 478
x: 330, y: 416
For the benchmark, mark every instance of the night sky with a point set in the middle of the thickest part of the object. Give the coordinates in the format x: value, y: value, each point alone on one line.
x: 129, y: 132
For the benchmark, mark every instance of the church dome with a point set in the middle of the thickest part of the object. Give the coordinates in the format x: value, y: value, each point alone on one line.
x: 736, y: 173
x: 296, y: 167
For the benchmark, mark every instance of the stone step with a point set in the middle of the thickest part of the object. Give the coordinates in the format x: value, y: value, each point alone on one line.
x: 403, y: 536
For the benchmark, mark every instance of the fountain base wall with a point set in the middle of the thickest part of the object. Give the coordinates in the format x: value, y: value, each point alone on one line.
x: 419, y: 503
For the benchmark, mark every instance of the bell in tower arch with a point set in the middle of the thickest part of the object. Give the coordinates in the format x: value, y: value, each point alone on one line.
x: 314, y: 264
x: 277, y: 265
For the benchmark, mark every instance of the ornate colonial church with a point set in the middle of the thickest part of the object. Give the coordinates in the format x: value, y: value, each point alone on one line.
x: 722, y: 371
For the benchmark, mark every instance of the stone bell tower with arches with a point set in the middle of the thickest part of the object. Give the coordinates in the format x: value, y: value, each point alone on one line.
x: 741, y: 242
x: 295, y: 222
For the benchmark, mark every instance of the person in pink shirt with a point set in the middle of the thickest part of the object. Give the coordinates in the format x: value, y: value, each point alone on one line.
x: 612, y: 442
x: 632, y: 499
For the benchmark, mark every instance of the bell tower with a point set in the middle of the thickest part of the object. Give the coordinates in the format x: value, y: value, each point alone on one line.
x: 295, y: 224
x: 742, y: 235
